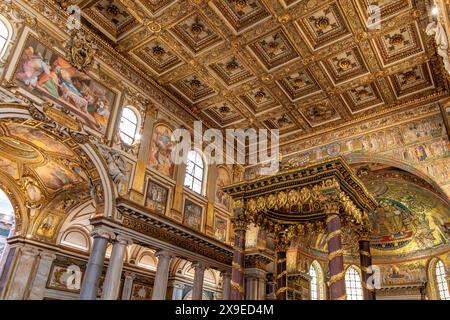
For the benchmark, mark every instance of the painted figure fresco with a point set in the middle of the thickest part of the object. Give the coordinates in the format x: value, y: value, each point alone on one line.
x: 161, y: 151
x: 45, y: 73
x: 223, y: 179
x: 38, y: 138
x: 156, y: 198
x: 56, y: 176
x: 9, y: 167
x: 220, y: 228
x: 192, y: 215
x: 393, y: 224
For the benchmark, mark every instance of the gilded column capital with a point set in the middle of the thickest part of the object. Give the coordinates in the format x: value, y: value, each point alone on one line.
x: 240, y: 223
x: 331, y: 207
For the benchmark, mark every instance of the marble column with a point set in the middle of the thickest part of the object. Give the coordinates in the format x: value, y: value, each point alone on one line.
x: 22, y: 273
x: 366, y: 261
x: 128, y: 285
x: 162, y: 275
x: 94, y: 268
x: 226, y: 285
x: 335, y: 254
x: 114, y: 272
x: 238, y: 267
x: 176, y: 291
x: 199, y: 275
x: 40, y: 279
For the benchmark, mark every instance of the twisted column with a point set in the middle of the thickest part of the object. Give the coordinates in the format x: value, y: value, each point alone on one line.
x: 335, y: 253
x: 238, y: 266
x: 281, y: 246
x: 366, y: 260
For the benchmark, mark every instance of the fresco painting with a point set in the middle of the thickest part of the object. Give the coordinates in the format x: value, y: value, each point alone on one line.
x: 192, y: 215
x: 56, y: 176
x: 223, y: 179
x: 9, y: 167
x: 220, y: 228
x: 161, y: 151
x: 38, y: 138
x: 44, y: 72
x: 156, y: 199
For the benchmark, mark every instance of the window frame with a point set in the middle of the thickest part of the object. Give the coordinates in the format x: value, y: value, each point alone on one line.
x: 314, y: 293
x: 441, y: 281
x: 353, y: 284
x: 137, y: 125
x: 190, y: 186
x: 5, y: 22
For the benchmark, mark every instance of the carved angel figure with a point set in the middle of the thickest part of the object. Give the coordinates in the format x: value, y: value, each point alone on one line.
x: 440, y: 37
x: 117, y: 166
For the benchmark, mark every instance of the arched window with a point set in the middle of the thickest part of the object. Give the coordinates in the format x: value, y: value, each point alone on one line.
x: 442, y: 281
x: 128, y: 126
x: 353, y: 284
x: 314, y: 283
x: 317, y: 282
x: 7, y: 220
x: 194, y: 172
x: 4, y: 36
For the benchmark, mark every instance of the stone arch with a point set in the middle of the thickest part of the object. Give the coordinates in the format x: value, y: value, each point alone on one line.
x: 99, y: 170
x: 373, y: 158
x: 14, y: 194
x: 76, y: 237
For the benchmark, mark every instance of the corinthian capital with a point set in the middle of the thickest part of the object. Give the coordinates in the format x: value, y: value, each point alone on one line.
x: 240, y: 222
x: 331, y: 207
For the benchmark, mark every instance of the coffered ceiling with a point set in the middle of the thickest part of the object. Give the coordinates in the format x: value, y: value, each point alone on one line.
x: 298, y: 65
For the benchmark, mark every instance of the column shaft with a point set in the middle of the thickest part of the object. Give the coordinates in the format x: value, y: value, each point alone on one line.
x: 281, y: 275
x: 94, y: 267
x: 366, y: 261
x: 237, y: 273
x: 128, y: 286
x: 114, y: 272
x: 226, y: 285
x: 335, y: 258
x: 162, y: 276
x: 199, y: 275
